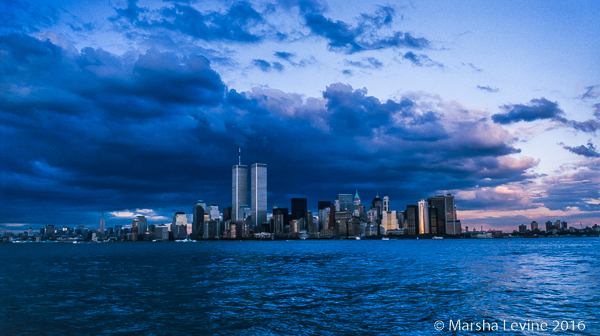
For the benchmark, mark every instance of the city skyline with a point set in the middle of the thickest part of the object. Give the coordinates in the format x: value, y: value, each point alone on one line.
x: 113, y: 109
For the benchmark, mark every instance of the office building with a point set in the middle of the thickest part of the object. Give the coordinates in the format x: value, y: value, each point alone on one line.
x: 143, y: 224
x: 239, y: 189
x: 299, y: 211
x: 343, y: 202
x: 324, y: 207
x: 198, y: 219
x: 423, y: 217
x: 386, y: 203
x: 376, y: 210
x: 102, y: 228
x: 412, y: 224
x: 227, y: 213
x: 522, y: 228
x: 258, y: 193
x: 389, y: 221
x: 213, y: 212
x: 179, y: 226
x: 534, y: 226
x: 446, y: 212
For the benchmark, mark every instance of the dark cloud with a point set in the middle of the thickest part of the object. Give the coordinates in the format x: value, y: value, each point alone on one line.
x: 420, y: 60
x: 536, y: 109
x: 90, y: 131
x: 366, y: 63
x: 540, y: 109
x: 592, y: 92
x: 597, y: 111
x: 267, y: 66
x: 347, y: 72
x: 589, y: 151
x: 487, y: 88
x: 236, y: 24
x: 344, y: 37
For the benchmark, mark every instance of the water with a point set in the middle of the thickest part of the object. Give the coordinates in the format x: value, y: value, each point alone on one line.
x: 363, y: 287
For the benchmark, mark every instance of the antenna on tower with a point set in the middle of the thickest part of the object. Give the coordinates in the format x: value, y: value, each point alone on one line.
x: 240, y: 157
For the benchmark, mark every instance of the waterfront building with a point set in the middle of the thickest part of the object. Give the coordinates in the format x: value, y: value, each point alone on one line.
x: 376, y: 210
x: 344, y: 202
x: 412, y: 224
x: 534, y: 226
x: 102, y: 224
x: 522, y: 228
x: 227, y: 213
x: 446, y: 212
x: 549, y: 226
x: 142, y: 224
x: 563, y: 225
x: 258, y: 190
x: 135, y: 224
x: 294, y: 226
x: 299, y: 210
x: 423, y: 217
x: 239, y: 189
x: 386, y: 203
x: 179, y: 226
x: 213, y: 212
x: 324, y: 209
x: 161, y: 232
x: 198, y: 219
x: 49, y: 232
x: 389, y: 220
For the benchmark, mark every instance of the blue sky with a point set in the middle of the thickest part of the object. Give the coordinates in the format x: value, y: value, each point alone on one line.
x: 139, y: 107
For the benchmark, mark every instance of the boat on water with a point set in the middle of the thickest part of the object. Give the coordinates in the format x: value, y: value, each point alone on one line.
x: 185, y: 241
x: 531, y: 236
x: 357, y: 238
x: 385, y: 238
x: 436, y: 237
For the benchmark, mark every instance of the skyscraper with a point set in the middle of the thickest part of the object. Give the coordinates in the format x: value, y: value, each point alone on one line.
x: 423, y: 217
x: 446, y: 214
x: 143, y: 224
x: 299, y: 209
x: 412, y: 219
x: 239, y: 189
x: 344, y: 202
x: 258, y: 196
x: 386, y: 203
x: 198, y: 219
x: 102, y: 228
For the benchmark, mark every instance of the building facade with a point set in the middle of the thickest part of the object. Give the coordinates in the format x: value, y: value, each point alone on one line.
x: 258, y: 193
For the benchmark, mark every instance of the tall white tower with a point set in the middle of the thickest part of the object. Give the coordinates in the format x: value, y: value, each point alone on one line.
x: 386, y: 203
x: 423, y: 217
x: 258, y: 193
x: 102, y: 228
x: 239, y: 189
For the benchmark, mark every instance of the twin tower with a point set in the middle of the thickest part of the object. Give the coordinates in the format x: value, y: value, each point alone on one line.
x: 258, y: 192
